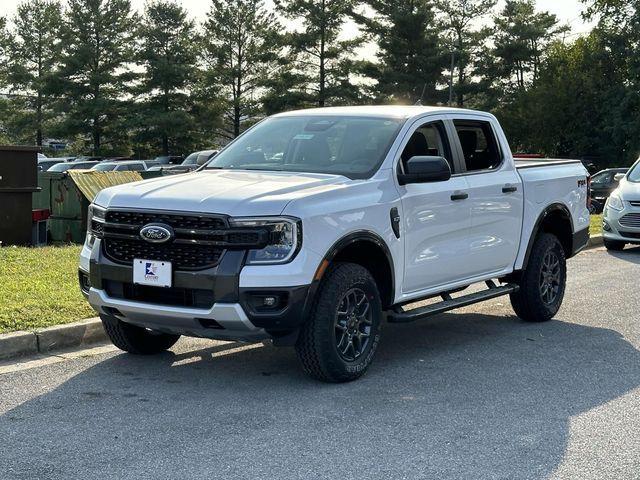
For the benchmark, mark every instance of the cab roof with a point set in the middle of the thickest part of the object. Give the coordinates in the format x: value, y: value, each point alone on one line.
x: 383, y: 111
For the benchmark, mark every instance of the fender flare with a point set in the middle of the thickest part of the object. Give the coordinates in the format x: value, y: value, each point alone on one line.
x: 554, y: 207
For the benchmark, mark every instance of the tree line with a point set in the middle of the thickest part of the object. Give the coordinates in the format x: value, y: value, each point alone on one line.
x: 114, y: 81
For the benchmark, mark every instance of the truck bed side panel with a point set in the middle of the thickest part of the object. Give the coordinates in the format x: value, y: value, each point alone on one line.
x: 548, y: 184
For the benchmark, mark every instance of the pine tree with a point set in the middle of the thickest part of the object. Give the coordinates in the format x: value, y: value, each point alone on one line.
x: 35, y: 54
x: 410, y: 61
x: 467, y: 39
x: 240, y: 53
x: 168, y: 55
x: 94, y: 80
x: 320, y: 58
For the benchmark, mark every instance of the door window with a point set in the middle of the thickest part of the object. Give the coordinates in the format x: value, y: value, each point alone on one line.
x: 479, y: 145
x: 429, y: 140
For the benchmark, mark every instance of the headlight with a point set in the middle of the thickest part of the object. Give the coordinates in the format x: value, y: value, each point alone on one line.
x: 95, y: 220
x: 615, y: 202
x: 285, y: 239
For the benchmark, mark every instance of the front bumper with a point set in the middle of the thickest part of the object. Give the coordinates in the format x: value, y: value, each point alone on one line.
x: 613, y: 229
x: 217, y: 307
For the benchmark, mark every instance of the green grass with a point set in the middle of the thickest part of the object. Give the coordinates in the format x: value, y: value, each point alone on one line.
x: 39, y: 288
x: 596, y: 224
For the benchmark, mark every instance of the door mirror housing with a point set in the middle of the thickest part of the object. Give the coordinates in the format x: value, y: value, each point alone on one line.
x: 425, y: 170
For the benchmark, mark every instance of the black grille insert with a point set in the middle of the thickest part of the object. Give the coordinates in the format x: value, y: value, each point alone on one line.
x: 187, y: 257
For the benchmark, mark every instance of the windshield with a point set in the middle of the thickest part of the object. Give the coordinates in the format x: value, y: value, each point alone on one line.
x: 349, y: 146
x: 634, y: 173
x: 60, y: 167
x: 191, y: 159
x: 104, y: 167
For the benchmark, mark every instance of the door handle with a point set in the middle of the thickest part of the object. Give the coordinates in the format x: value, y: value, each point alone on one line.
x: 509, y: 189
x: 457, y: 196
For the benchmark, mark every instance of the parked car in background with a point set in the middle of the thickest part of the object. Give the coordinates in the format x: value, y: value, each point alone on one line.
x: 88, y: 159
x: 44, y: 165
x: 130, y: 165
x: 41, y: 156
x: 603, y: 184
x: 621, y: 221
x: 169, y: 159
x: 63, y: 167
x: 191, y: 163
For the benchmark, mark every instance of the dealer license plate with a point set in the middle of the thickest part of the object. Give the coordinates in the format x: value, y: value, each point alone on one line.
x: 152, y: 272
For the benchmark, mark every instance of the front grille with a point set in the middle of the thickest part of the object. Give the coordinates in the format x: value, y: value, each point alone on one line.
x: 631, y: 220
x: 199, y: 240
x: 635, y: 203
x: 174, y: 297
x: 185, y: 257
x: 630, y: 234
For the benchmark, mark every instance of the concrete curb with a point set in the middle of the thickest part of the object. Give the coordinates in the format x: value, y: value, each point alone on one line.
x: 86, y: 332
x: 596, y: 241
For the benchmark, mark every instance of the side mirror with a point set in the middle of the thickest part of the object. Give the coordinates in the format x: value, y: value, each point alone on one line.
x: 618, y: 177
x: 425, y: 170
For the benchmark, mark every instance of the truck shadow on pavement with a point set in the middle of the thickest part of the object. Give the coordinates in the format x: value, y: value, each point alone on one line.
x: 463, y: 396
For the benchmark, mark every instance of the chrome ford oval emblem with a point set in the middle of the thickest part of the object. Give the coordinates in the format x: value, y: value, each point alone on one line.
x: 154, y: 233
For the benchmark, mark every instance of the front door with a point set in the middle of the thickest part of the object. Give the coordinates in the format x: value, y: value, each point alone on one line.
x: 436, y: 216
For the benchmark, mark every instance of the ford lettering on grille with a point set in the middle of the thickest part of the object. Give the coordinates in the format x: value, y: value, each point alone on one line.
x: 156, y: 233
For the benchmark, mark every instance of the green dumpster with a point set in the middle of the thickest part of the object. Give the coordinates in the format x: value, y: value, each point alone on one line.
x: 67, y: 196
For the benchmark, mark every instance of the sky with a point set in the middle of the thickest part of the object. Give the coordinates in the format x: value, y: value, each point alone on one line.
x: 568, y: 11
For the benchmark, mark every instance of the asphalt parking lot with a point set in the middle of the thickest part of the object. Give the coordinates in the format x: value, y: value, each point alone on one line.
x: 474, y: 394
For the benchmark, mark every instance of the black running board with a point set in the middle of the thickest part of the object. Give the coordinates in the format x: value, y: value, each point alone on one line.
x: 448, y: 303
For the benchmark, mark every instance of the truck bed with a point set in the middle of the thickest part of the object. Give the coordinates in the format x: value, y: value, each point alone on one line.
x: 542, y: 162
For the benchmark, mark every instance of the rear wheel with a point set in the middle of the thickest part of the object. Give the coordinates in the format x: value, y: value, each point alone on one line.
x: 542, y: 284
x: 136, y: 340
x: 614, y: 245
x: 338, y: 342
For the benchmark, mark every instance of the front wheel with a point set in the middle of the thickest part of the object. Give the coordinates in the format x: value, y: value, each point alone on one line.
x: 543, y: 282
x: 136, y: 340
x: 338, y: 342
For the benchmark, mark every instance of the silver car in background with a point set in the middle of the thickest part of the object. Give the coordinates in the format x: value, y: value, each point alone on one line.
x: 621, y: 222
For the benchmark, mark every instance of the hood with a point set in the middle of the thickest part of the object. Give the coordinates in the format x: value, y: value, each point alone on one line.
x: 235, y: 193
x: 629, y: 190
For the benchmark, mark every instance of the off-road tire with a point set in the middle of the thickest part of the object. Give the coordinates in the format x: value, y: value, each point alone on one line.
x: 528, y: 302
x: 317, y: 346
x: 614, y: 245
x: 136, y: 340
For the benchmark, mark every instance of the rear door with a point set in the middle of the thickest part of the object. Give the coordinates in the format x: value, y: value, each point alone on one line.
x: 495, y: 195
x: 436, y: 215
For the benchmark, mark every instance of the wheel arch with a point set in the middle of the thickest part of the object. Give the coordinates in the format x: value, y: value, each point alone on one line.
x: 369, y: 250
x: 554, y: 219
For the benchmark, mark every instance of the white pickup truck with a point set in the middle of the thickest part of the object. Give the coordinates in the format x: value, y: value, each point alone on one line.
x: 314, y: 226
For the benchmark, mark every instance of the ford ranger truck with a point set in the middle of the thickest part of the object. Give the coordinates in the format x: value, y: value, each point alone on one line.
x: 314, y: 226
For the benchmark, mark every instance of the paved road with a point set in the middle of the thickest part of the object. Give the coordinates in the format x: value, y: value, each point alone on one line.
x: 475, y: 394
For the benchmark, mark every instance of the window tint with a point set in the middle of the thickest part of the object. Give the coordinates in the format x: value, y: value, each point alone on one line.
x: 429, y: 140
x: 602, y: 179
x: 479, y: 145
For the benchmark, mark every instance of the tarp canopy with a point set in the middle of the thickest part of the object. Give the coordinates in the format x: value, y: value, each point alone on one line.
x: 91, y: 182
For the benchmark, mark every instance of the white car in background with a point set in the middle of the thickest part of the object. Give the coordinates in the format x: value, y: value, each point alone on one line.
x: 621, y: 222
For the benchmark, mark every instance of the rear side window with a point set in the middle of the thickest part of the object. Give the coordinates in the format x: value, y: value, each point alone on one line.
x: 479, y: 145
